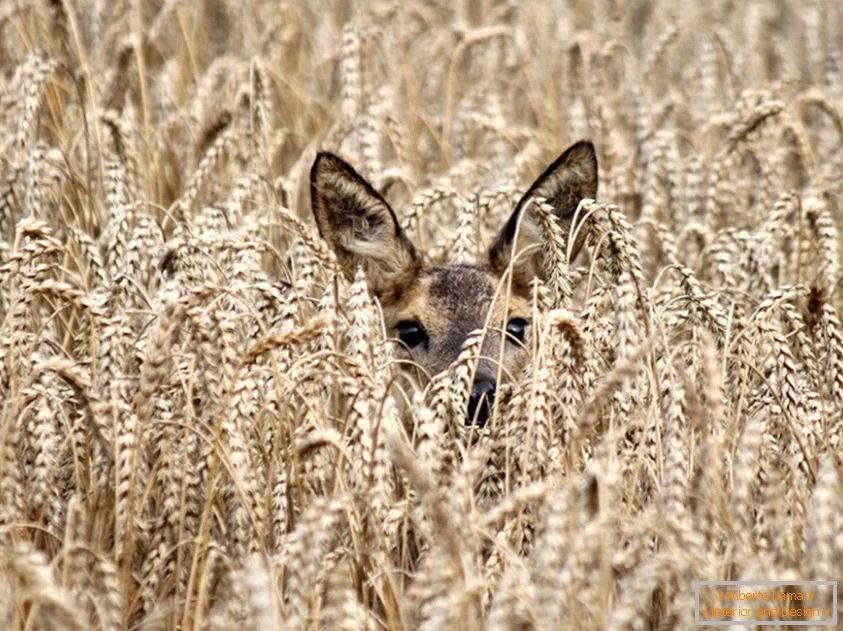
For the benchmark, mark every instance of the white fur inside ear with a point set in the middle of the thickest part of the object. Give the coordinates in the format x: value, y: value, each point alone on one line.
x: 361, y: 228
x: 381, y: 257
x: 529, y: 230
x: 528, y: 241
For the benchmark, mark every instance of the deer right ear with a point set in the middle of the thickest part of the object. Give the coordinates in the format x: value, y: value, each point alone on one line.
x: 360, y: 226
x: 567, y: 181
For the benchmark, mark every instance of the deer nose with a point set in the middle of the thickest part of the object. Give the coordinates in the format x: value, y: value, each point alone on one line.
x: 480, y: 402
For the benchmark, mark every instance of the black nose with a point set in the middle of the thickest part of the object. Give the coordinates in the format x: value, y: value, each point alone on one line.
x: 480, y: 402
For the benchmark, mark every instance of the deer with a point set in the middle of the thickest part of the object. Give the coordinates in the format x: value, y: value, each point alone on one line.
x: 429, y: 309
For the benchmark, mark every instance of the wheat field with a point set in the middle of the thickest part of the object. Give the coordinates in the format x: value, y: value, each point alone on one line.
x: 203, y: 426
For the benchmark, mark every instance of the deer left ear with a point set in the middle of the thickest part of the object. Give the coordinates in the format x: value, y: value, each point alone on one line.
x: 571, y: 178
x: 360, y: 226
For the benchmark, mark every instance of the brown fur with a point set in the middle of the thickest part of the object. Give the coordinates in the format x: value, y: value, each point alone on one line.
x: 448, y: 301
x: 451, y: 301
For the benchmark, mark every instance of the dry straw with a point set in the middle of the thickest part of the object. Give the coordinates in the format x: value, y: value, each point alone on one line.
x: 203, y: 424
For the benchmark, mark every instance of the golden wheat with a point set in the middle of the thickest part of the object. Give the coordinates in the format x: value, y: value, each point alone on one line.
x: 202, y: 424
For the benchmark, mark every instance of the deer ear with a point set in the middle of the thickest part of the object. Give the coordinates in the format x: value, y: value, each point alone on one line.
x: 571, y: 178
x: 359, y: 225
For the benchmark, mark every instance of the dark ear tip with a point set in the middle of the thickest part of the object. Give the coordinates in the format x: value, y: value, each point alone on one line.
x: 323, y: 156
x: 327, y: 162
x: 583, y: 148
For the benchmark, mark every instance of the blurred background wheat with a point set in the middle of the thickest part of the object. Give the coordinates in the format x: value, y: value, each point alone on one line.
x: 202, y: 427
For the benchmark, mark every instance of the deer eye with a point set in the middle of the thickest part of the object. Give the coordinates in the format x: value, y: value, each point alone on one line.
x: 412, y: 333
x: 515, y: 329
